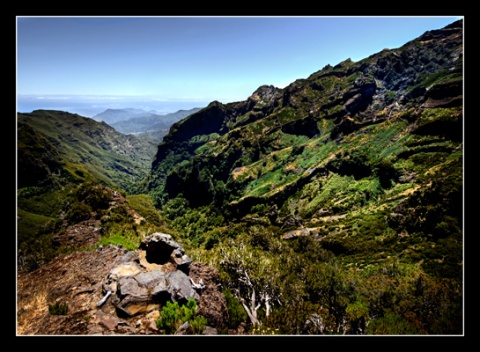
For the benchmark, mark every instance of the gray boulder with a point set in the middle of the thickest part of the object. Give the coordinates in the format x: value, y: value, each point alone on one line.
x: 161, y: 249
x: 147, y: 278
x: 180, y: 287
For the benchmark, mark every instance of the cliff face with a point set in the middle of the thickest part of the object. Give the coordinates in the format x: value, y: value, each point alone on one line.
x: 335, y: 102
x: 381, y: 136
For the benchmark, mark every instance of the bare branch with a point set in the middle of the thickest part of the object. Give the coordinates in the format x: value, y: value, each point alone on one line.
x: 104, y: 299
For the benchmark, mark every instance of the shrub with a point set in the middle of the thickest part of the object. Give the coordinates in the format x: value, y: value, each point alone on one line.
x: 36, y: 252
x: 391, y: 324
x: 94, y: 195
x: 357, y: 313
x: 236, y: 313
x: 212, y: 240
x: 58, y: 308
x: 198, y: 324
x: 78, y: 212
x: 98, y: 198
x: 258, y: 329
x: 144, y: 205
x: 174, y: 315
x: 120, y: 215
x: 301, y: 318
x: 259, y: 208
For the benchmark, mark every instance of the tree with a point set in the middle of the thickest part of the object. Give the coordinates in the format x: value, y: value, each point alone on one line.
x: 253, y: 276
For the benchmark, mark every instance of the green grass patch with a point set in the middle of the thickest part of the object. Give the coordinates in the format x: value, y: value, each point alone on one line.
x: 30, y: 224
x: 49, y: 203
x: 143, y: 204
x: 126, y: 239
x: 58, y: 308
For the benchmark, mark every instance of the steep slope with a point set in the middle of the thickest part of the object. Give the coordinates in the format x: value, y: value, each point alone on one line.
x: 51, y: 142
x: 334, y: 205
x: 60, y: 159
x: 381, y: 136
x: 383, y: 109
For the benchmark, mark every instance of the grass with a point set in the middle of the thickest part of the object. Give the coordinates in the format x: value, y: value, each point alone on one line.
x: 91, y: 148
x: 127, y: 239
x: 143, y: 204
x: 49, y: 203
x: 29, y: 224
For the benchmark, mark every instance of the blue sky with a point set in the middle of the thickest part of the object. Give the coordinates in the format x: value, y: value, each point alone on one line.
x: 192, y: 59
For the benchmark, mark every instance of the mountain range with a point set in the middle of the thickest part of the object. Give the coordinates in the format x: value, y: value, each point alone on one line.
x: 112, y: 116
x: 333, y: 206
x: 140, y: 122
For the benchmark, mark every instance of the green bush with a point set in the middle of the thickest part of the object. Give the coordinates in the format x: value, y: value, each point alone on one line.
x: 94, y: 195
x: 198, y: 324
x: 391, y: 324
x: 259, y: 208
x: 120, y: 215
x: 174, y: 315
x: 236, y: 313
x: 58, y: 308
x: 212, y: 240
x: 297, y: 318
x: 143, y: 203
x: 78, y: 212
x: 36, y: 252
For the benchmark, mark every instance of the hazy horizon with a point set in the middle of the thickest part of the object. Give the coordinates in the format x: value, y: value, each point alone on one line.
x: 85, y: 65
x: 89, y: 106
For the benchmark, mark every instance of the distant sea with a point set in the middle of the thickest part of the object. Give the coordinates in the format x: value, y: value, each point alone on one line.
x: 89, y: 106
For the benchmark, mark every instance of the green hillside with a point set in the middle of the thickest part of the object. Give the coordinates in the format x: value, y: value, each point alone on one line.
x: 84, y: 147
x: 356, y: 172
x: 61, y: 157
x: 331, y: 206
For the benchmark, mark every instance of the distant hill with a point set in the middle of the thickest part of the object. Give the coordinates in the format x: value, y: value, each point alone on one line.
x: 111, y: 116
x: 153, y: 125
x: 159, y: 130
x: 72, y: 146
x: 141, y: 122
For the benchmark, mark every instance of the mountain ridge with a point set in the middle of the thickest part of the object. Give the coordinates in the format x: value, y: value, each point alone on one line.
x: 115, y: 115
x: 140, y: 122
x: 79, y: 140
x: 332, y: 206
x: 358, y: 102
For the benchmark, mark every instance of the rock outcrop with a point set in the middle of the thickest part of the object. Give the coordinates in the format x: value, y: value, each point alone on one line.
x: 149, y: 277
x: 115, y: 291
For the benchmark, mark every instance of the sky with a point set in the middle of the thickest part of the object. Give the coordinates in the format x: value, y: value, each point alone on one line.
x: 87, y: 64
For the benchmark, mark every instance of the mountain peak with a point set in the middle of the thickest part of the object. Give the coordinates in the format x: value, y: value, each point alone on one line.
x: 265, y: 93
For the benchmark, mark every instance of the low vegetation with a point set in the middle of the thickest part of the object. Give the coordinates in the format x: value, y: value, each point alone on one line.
x: 174, y: 315
x: 332, y: 206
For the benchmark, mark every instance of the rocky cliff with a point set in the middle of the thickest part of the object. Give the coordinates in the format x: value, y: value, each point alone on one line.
x: 335, y: 104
